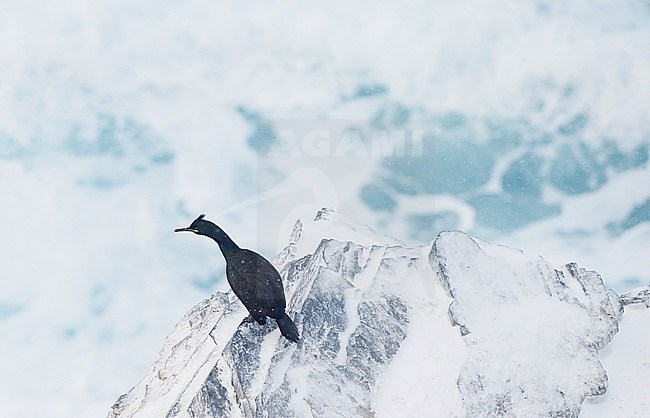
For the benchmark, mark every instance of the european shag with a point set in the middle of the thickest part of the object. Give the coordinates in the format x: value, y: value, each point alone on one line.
x: 253, y: 279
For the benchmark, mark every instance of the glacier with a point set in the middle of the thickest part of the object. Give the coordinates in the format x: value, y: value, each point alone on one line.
x: 459, y: 327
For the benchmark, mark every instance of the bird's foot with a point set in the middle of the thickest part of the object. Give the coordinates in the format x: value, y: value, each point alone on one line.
x: 250, y: 318
x: 260, y: 319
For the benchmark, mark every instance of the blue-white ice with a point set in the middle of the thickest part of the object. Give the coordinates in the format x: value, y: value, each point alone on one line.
x: 120, y: 121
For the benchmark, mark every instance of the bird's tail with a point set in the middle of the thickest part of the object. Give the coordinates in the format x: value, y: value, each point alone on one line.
x: 288, y: 328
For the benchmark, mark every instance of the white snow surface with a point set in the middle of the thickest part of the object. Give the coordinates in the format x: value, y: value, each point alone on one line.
x: 461, y: 327
x: 627, y: 361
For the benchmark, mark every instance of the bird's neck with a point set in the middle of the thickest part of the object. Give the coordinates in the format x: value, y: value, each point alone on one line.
x: 226, y: 244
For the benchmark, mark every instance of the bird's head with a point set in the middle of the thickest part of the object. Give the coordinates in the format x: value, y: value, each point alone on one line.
x: 199, y: 226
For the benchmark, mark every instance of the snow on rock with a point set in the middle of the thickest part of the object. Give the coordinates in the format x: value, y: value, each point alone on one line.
x: 638, y: 295
x: 533, y: 332
x: 627, y: 361
x: 457, y: 328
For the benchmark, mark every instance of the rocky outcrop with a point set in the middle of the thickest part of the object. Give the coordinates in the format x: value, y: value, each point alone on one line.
x: 457, y: 328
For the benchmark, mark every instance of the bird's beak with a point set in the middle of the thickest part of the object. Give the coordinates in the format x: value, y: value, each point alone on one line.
x: 188, y: 229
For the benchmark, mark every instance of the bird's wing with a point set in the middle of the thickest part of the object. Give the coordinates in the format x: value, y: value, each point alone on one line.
x: 257, y: 280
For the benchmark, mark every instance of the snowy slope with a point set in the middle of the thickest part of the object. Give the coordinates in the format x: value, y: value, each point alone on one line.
x: 627, y: 361
x: 457, y: 328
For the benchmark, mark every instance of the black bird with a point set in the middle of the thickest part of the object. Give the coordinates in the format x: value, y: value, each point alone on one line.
x: 253, y: 279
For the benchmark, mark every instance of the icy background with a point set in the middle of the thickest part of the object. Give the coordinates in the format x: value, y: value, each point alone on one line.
x: 120, y: 121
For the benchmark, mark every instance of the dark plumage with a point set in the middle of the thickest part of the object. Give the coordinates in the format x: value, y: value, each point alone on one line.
x: 253, y: 279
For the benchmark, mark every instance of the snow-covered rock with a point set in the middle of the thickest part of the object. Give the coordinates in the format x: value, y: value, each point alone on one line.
x: 627, y: 361
x: 460, y: 327
x: 638, y: 295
